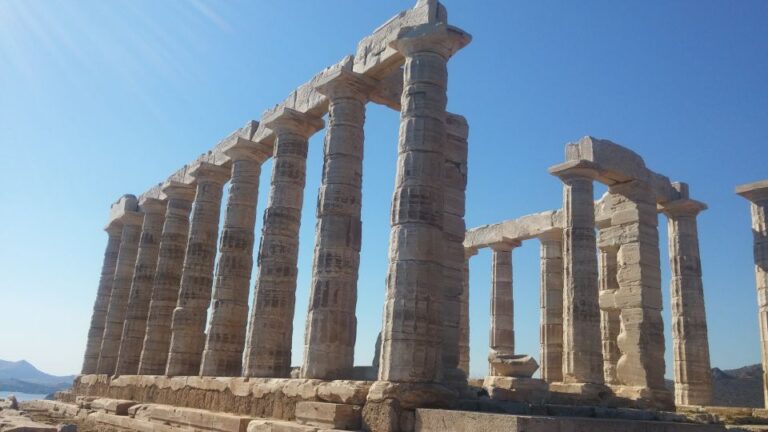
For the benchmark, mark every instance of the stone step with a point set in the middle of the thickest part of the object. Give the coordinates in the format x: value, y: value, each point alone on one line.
x: 279, y: 426
x: 329, y: 415
x: 191, y: 417
x: 433, y: 420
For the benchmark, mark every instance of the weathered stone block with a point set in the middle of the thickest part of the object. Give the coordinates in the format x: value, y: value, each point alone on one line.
x: 341, y: 416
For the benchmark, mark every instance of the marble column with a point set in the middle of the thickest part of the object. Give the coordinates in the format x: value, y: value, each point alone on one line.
x: 502, y: 335
x: 268, y: 348
x: 223, y: 354
x: 454, y: 230
x: 610, y: 316
x: 121, y: 286
x: 582, y: 351
x: 757, y: 194
x: 464, y: 322
x: 98, y: 318
x: 165, y: 286
x: 141, y: 288
x: 551, y: 303
x: 331, y: 327
x: 690, y: 344
x: 412, y: 333
x: 634, y: 223
x: 191, y: 313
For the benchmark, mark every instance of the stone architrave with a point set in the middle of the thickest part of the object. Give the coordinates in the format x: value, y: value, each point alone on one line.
x: 633, y: 228
x: 502, y: 334
x: 165, y: 286
x: 331, y: 327
x: 223, y: 354
x: 582, y: 351
x: 141, y: 287
x: 121, y: 286
x: 454, y: 230
x: 690, y: 344
x: 464, y: 317
x: 190, y: 315
x: 268, y: 347
x: 98, y: 318
x: 551, y: 303
x: 757, y: 194
x: 412, y: 333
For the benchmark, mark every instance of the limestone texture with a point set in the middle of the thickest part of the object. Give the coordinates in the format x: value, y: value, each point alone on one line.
x: 551, y: 303
x: 165, y: 285
x: 268, y: 347
x: 141, y: 288
x: 189, y: 316
x: 226, y: 333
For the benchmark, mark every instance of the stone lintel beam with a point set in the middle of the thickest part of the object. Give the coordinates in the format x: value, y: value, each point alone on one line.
x: 581, y: 168
x: 757, y: 191
x: 523, y: 228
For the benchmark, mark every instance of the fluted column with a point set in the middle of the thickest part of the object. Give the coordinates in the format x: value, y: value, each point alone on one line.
x: 502, y: 336
x: 690, y: 344
x: 189, y: 317
x: 268, y: 348
x: 610, y: 315
x: 412, y: 333
x: 329, y: 343
x: 641, y: 337
x: 551, y: 303
x: 121, y: 286
x: 757, y: 194
x: 141, y: 287
x: 165, y: 286
x: 100, y: 305
x: 464, y: 323
x: 454, y: 230
x: 225, y: 341
x: 582, y: 351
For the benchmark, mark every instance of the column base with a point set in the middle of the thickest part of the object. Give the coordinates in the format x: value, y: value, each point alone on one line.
x: 515, y: 389
x: 644, y: 397
x: 579, y: 393
x: 390, y: 406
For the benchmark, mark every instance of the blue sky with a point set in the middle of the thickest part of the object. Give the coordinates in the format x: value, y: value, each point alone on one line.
x: 98, y: 99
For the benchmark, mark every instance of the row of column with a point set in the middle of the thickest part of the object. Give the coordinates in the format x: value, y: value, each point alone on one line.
x: 601, y: 319
x: 158, y: 277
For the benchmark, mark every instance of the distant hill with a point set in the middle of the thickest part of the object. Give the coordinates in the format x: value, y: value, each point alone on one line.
x: 22, y: 376
x: 738, y: 387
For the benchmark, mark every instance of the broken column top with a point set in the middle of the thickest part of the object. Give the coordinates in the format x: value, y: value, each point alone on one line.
x: 754, y: 192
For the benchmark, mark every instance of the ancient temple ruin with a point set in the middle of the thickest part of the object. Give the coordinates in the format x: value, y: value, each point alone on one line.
x: 155, y: 361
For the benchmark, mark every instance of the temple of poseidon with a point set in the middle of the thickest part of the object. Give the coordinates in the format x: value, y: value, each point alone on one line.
x: 156, y: 361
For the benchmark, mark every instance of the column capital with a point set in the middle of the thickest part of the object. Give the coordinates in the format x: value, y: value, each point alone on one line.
x: 551, y: 235
x: 682, y: 208
x: 757, y: 191
x: 152, y: 205
x: 344, y: 83
x: 176, y: 189
x: 469, y: 253
x: 209, y: 171
x: 505, y: 246
x: 114, y: 228
x: 441, y: 39
x: 577, y: 169
x: 244, y: 149
x: 289, y: 120
x: 134, y: 218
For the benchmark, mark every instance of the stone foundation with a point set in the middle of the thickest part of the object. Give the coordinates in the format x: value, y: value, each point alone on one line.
x: 255, y: 397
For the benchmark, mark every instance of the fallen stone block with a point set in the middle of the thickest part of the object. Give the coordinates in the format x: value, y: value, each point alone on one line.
x: 279, y: 426
x: 112, y: 406
x: 191, y: 417
x: 331, y: 415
